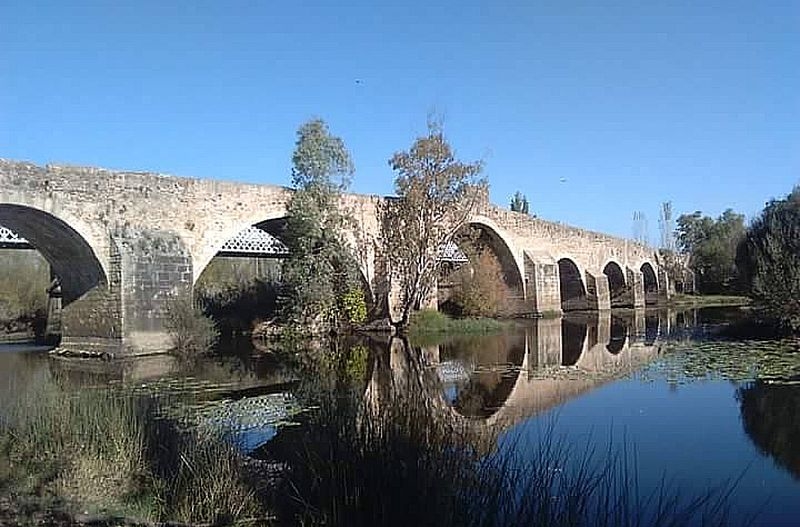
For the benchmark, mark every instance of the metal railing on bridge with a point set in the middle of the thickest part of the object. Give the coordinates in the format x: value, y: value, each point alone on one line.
x: 11, y: 240
x: 251, y: 242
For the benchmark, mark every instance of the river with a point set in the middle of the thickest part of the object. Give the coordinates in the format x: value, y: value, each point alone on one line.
x: 677, y: 406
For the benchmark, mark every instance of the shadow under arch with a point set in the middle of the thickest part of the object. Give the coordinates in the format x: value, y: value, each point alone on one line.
x: 650, y: 283
x: 617, y: 287
x: 571, y: 286
x: 70, y: 255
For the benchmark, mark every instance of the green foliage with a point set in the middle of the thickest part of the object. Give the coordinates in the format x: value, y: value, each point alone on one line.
x: 320, y: 269
x: 24, y: 277
x: 712, y: 247
x: 426, y: 322
x: 354, y: 306
x: 437, y: 194
x: 769, y: 258
x: 483, y: 289
x: 192, y: 332
x: 519, y: 203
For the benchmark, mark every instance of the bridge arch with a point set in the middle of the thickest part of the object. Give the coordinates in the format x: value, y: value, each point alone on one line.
x: 500, y: 243
x: 650, y: 281
x: 275, y: 226
x: 617, y: 285
x: 571, y: 286
x: 74, y: 255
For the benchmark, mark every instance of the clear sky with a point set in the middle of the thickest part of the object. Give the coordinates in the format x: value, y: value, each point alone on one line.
x: 594, y: 109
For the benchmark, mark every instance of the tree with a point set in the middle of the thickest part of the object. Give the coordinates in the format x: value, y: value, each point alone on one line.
x: 436, y: 195
x: 319, y: 272
x: 519, y: 203
x: 665, y: 226
x: 711, y: 244
x: 769, y: 261
x: 640, y: 230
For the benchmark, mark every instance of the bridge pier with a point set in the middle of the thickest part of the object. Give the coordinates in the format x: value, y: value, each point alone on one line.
x: 636, y: 287
x: 598, y: 293
x: 126, y: 315
x: 543, y: 284
x: 663, y: 284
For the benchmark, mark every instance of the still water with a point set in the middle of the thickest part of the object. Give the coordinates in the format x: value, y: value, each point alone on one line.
x: 688, y: 410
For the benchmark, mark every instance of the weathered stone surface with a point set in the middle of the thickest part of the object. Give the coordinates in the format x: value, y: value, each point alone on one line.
x: 123, y: 241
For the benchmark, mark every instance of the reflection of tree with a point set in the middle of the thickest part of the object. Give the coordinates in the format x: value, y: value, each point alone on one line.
x: 771, y: 418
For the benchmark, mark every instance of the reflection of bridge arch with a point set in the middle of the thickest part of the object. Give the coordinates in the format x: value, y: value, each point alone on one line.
x: 76, y: 256
x: 532, y: 391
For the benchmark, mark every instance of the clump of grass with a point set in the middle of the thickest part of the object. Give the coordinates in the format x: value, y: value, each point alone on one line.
x: 192, y: 332
x: 111, y: 453
x: 432, y: 322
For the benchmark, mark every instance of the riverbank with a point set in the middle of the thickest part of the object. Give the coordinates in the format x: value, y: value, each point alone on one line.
x: 696, y: 301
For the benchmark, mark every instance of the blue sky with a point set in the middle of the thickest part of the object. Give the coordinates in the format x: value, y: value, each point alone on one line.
x: 593, y: 109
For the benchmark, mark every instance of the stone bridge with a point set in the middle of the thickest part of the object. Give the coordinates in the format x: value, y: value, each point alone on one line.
x: 122, y: 242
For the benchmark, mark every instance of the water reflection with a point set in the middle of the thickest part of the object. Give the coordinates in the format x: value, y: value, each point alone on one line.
x: 771, y: 418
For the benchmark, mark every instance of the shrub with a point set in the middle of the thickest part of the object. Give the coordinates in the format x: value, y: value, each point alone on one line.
x: 483, y: 290
x: 192, y: 333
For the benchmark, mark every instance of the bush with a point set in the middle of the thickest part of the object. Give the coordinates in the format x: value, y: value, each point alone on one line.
x: 769, y: 260
x: 483, y: 289
x: 192, y: 332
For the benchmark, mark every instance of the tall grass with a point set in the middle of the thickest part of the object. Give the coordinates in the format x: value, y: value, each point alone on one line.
x: 111, y: 452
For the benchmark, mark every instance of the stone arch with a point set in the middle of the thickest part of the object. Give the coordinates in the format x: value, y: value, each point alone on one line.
x: 275, y: 226
x: 74, y: 256
x: 617, y: 285
x: 650, y: 281
x: 495, y: 239
x: 571, y: 286
x: 212, y: 243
